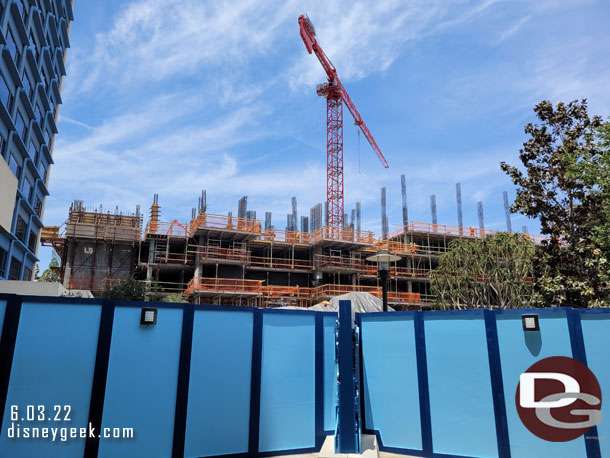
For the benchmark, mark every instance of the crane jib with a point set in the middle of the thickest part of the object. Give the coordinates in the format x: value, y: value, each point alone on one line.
x: 336, y: 96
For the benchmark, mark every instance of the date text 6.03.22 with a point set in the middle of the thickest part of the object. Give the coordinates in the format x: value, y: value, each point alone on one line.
x: 41, y: 413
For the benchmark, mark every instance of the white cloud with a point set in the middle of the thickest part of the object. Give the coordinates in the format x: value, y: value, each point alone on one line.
x: 233, y: 56
x: 513, y: 29
x: 152, y: 40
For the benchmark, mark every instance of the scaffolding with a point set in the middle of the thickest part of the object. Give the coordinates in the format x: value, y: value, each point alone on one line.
x: 223, y: 259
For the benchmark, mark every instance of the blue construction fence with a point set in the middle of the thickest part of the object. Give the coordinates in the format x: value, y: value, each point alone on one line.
x: 203, y: 381
x: 237, y: 381
x: 443, y: 384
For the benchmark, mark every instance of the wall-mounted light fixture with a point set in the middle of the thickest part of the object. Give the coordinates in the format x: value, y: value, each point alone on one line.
x: 530, y: 322
x: 148, y: 317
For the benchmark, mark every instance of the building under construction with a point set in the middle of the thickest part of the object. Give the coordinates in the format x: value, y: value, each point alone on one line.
x: 236, y: 260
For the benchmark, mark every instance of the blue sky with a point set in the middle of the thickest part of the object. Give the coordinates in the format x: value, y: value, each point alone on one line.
x: 173, y: 97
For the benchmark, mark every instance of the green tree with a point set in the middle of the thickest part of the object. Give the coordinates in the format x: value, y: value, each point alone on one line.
x: 173, y: 297
x: 51, y: 273
x: 493, y: 271
x: 128, y: 290
x: 563, y: 182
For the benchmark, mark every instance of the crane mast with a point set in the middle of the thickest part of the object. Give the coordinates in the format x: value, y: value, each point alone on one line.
x: 336, y: 96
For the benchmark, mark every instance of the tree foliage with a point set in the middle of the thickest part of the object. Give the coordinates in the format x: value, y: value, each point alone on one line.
x: 128, y: 290
x: 50, y: 273
x: 173, y: 297
x: 138, y: 290
x: 495, y: 270
x: 563, y: 181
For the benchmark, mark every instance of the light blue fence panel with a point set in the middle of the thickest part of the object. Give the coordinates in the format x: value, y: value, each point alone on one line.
x: 596, y: 333
x: 390, y: 385
x: 218, y: 412
x: 461, y: 402
x: 53, y: 365
x: 518, y: 351
x: 287, y: 404
x: 142, y: 383
x: 330, y: 374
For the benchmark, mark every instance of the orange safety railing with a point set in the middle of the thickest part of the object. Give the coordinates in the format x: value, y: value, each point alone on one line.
x: 340, y: 262
x: 224, y: 222
x: 173, y: 229
x: 162, y: 257
x: 225, y: 285
x: 294, y: 237
x: 403, y: 297
x: 299, y: 292
x: 343, y: 234
x: 331, y: 290
x: 456, y: 231
x: 397, y: 271
x: 93, y: 284
x: 281, y: 263
x: 228, y: 254
x: 395, y: 247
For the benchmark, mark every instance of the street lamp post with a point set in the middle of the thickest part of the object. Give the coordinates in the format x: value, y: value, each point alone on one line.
x: 383, y: 260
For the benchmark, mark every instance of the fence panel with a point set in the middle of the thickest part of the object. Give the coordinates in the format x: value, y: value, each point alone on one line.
x: 53, y: 364
x: 518, y: 351
x: 287, y: 401
x: 596, y: 334
x: 218, y: 413
x: 330, y: 373
x: 461, y: 402
x: 142, y: 382
x: 390, y: 379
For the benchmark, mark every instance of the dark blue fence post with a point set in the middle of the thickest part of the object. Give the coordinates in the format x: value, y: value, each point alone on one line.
x: 184, y: 375
x: 7, y: 347
x: 100, y: 373
x: 577, y: 342
x: 422, y: 379
x: 497, y: 384
x: 346, y: 435
x: 255, y: 387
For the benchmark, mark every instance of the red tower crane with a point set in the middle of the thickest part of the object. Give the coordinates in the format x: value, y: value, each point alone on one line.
x: 335, y: 95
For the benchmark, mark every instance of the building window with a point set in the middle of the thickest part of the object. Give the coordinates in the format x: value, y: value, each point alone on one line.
x: 38, y: 207
x: 34, y: 47
x: 32, y: 152
x: 14, y: 165
x: 39, y: 116
x: 42, y: 169
x: 27, y: 274
x: 27, y: 190
x: 20, y: 125
x: 12, y: 46
x: 21, y: 229
x: 21, y: 8
x: 5, y: 94
x: 13, y: 273
x: 3, y: 255
x: 27, y: 87
x: 32, y: 241
x: 2, y: 143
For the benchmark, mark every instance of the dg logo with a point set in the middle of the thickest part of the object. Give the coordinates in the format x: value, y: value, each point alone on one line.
x: 558, y: 399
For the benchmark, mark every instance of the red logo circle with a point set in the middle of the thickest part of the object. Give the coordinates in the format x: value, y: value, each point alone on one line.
x: 559, y: 399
